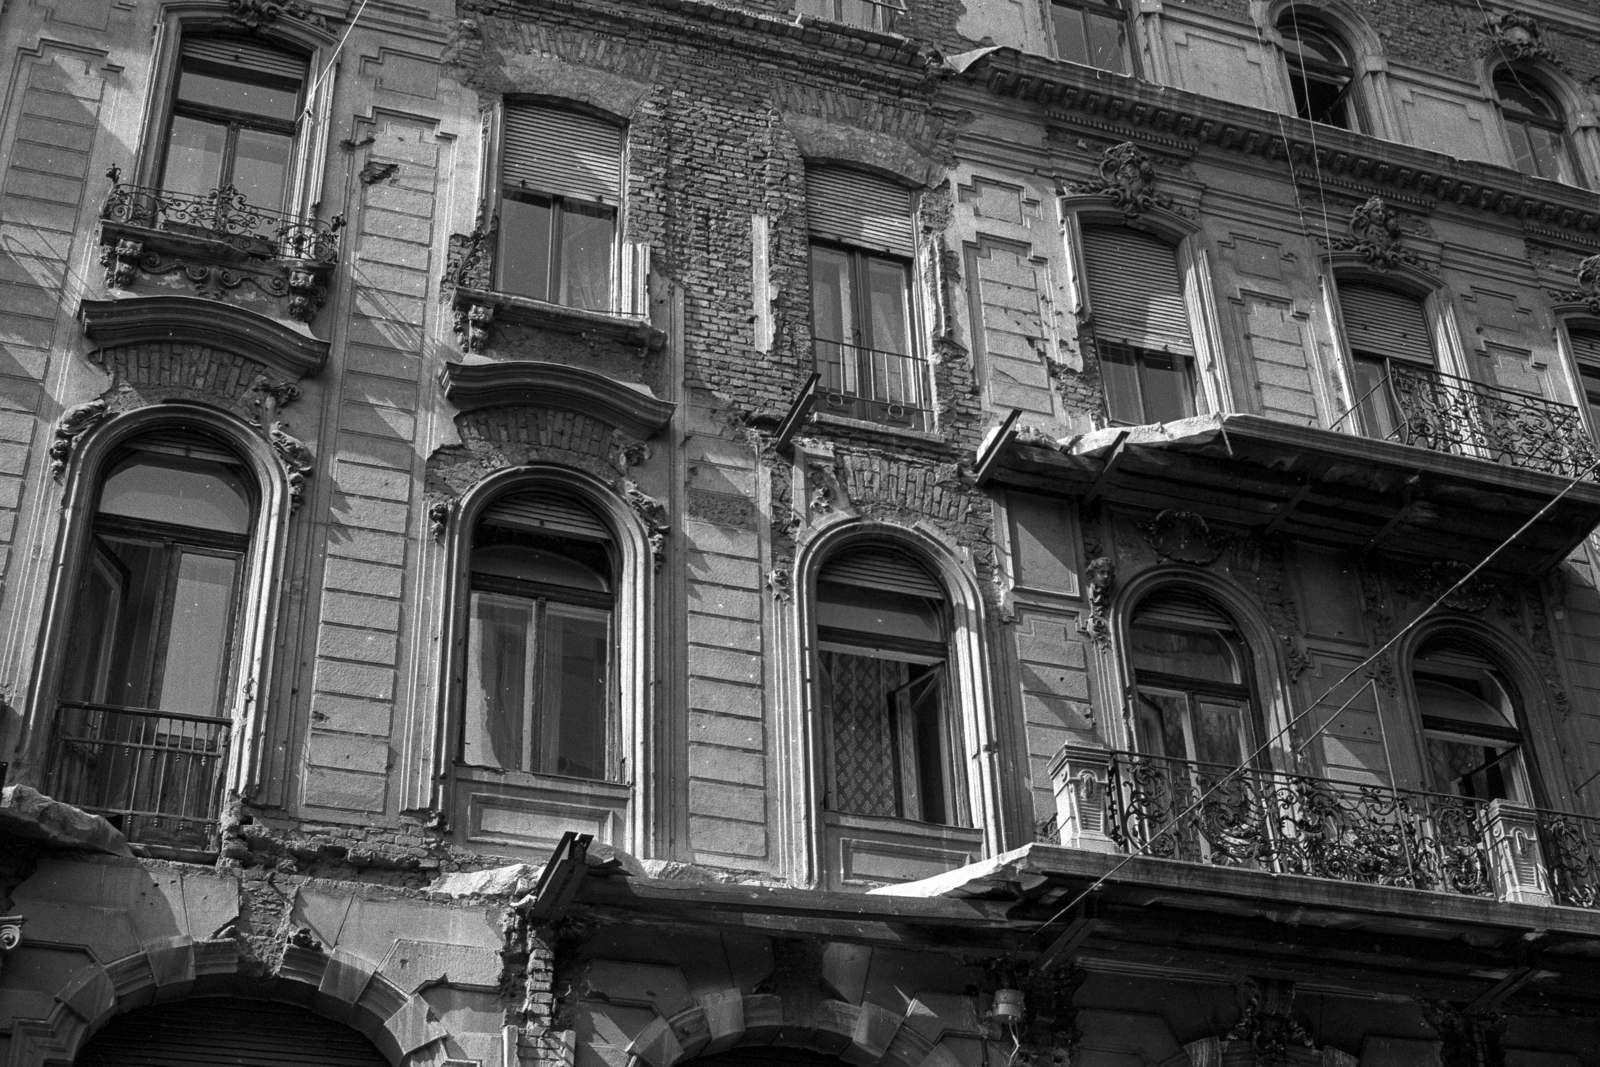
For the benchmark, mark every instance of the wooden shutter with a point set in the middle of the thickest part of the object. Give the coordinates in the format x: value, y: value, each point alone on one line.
x: 877, y: 567
x: 1383, y: 322
x: 1182, y: 607
x: 1135, y: 290
x: 232, y: 52
x: 562, y: 153
x: 1586, y: 347
x: 546, y: 511
x: 860, y: 210
x: 227, y: 1031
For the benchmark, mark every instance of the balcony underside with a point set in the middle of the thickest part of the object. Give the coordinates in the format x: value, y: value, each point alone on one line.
x: 1160, y: 916
x: 1317, y: 485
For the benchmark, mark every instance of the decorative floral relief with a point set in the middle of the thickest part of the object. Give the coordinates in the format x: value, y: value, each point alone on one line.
x: 297, y: 461
x: 471, y: 326
x: 254, y: 14
x: 654, y: 515
x: 1587, y: 275
x: 439, y: 517
x: 1515, y: 36
x: 1127, y: 177
x: 1184, y: 537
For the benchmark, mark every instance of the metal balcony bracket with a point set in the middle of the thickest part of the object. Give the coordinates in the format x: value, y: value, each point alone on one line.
x: 994, y: 446
x: 559, y: 882
x: 799, y: 413
x: 1112, y: 462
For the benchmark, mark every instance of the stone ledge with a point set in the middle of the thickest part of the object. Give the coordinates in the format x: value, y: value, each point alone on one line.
x: 27, y: 816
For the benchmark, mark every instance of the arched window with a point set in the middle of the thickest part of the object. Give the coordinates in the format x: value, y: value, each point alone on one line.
x: 1473, y: 745
x: 1191, y: 673
x: 151, y: 650
x: 882, y: 654
x: 1391, y: 352
x: 1535, y: 126
x: 1586, y: 353
x: 1320, y: 73
x: 540, y: 672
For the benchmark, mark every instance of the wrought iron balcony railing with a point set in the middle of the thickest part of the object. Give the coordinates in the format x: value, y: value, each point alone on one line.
x: 884, y: 16
x: 1377, y: 835
x: 875, y: 386
x: 224, y: 215
x: 1443, y: 413
x: 156, y: 775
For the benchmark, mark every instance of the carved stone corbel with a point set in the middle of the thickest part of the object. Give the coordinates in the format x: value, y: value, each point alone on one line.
x: 1127, y: 177
x: 73, y: 424
x: 121, y: 262
x: 654, y: 515
x: 10, y: 934
x: 297, y: 462
x: 1376, y: 235
x: 307, y: 291
x: 1098, y: 578
x: 439, y: 517
x: 1267, y: 1027
x: 472, y: 326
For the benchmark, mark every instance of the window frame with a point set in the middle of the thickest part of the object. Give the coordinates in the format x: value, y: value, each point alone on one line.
x: 630, y: 260
x: 1514, y: 118
x: 303, y: 182
x: 1088, y: 10
x: 625, y: 808
x: 1216, y: 389
x: 1426, y: 727
x: 1298, y: 21
x: 886, y: 14
x: 248, y: 689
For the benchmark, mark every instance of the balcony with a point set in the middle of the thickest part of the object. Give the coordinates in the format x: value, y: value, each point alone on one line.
x: 156, y: 776
x: 1443, y: 413
x: 889, y: 388
x: 214, y: 244
x: 1294, y: 824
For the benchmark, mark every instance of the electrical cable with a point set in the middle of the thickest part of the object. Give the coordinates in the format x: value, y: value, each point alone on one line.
x: 1286, y: 727
x: 333, y: 59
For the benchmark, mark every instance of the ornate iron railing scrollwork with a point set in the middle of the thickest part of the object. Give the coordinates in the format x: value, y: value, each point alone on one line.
x: 1298, y: 824
x: 1570, y: 846
x: 224, y: 215
x: 1444, y: 413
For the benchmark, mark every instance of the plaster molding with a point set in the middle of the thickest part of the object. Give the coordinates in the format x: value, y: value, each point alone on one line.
x: 192, y: 320
x: 630, y: 408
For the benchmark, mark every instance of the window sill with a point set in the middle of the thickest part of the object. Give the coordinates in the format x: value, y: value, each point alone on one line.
x: 864, y: 851
x: 477, y: 309
x: 820, y: 419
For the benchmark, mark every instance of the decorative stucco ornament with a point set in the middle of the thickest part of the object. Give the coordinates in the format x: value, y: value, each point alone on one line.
x: 1515, y: 36
x: 1376, y: 235
x: 254, y: 14
x: 73, y: 424
x: 1128, y: 178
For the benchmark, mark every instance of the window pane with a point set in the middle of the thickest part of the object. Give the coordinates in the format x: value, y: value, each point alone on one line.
x: 1522, y: 150
x: 92, y: 645
x: 276, y: 100
x: 588, y: 237
x: 857, y: 690
x: 576, y: 707
x: 1108, y: 43
x: 1072, y: 39
x: 194, y: 156
x: 178, y: 492
x: 1119, y: 374
x: 1160, y: 718
x: 1550, y: 153
x: 1203, y: 655
x: 875, y: 611
x: 1219, y: 732
x: 1376, y: 401
x: 832, y: 317
x: 924, y: 760
x: 195, y: 663
x: 1474, y: 767
x: 129, y: 673
x: 887, y: 285
x: 1167, y: 386
x: 261, y: 167
x: 524, y: 267
x: 499, y: 673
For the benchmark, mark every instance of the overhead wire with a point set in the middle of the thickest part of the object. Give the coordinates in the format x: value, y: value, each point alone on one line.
x: 1250, y: 759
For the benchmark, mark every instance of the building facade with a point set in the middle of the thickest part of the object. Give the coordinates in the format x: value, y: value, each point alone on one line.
x: 548, y: 532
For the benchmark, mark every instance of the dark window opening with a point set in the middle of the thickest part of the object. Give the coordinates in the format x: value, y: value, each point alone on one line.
x: 1320, y: 74
x: 540, y: 668
x: 1391, y: 352
x: 1536, y: 128
x: 883, y: 687
x: 1143, y: 386
x: 1469, y: 724
x: 1094, y: 34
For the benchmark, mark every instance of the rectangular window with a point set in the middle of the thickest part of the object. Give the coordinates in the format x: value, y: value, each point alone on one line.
x: 862, y: 319
x: 1390, y: 348
x: 1092, y: 33
x: 1141, y: 326
x: 560, y: 193
x: 235, y: 114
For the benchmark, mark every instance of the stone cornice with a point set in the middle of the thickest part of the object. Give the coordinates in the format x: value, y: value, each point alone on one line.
x: 630, y: 408
x: 1172, y: 116
x: 194, y: 320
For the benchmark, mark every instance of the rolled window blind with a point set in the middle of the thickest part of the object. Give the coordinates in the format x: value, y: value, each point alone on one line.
x: 860, y: 210
x: 561, y: 153
x: 875, y: 567
x: 232, y: 52
x: 1135, y: 289
x: 549, y: 512
x: 1181, y: 607
x: 1382, y: 322
x: 1586, y: 347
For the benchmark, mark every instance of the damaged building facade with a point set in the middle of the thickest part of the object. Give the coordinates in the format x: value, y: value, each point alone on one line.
x: 551, y: 533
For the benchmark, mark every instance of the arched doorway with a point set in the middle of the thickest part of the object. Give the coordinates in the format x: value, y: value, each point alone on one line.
x: 227, y: 1032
